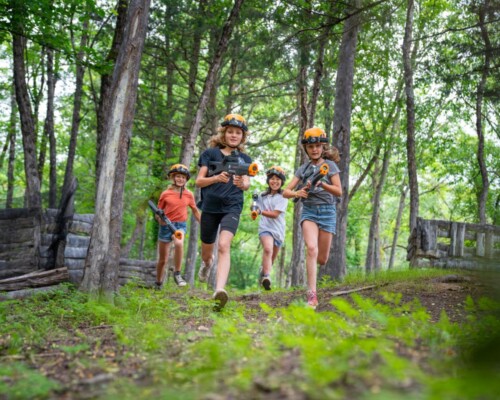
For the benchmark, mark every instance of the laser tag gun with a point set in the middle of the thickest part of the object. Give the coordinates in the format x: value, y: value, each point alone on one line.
x: 313, y: 179
x: 177, y: 234
x: 231, y: 164
x: 254, y: 208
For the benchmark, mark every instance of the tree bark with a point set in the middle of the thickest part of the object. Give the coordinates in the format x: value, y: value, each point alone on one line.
x: 404, y: 191
x: 483, y: 193
x: 189, y: 143
x: 77, y: 105
x: 33, y: 196
x: 12, y: 150
x: 102, y: 262
x: 336, y: 265
x: 106, y: 81
x: 410, y: 117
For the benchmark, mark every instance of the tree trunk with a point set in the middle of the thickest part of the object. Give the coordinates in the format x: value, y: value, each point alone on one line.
x: 12, y: 150
x: 139, y: 227
x: 402, y: 198
x: 336, y: 265
x: 410, y: 117
x: 483, y: 193
x: 102, y: 262
x: 77, y: 105
x: 189, y: 143
x: 106, y: 80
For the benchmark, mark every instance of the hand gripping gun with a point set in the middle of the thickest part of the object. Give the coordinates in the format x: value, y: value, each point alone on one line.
x: 177, y: 234
x: 231, y: 164
x: 254, y: 208
x: 313, y: 179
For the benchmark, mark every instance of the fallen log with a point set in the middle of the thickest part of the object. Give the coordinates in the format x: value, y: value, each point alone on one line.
x: 25, y: 293
x: 34, y: 279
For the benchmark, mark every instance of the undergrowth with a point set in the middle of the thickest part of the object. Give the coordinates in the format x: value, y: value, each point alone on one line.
x: 363, y: 348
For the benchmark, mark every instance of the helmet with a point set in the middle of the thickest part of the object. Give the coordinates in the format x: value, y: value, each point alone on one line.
x: 235, y: 120
x: 180, y: 169
x: 278, y: 171
x: 314, y: 135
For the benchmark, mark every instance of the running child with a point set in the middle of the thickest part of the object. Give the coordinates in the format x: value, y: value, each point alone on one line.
x: 221, y: 201
x: 319, y: 217
x: 271, y: 205
x: 174, y: 201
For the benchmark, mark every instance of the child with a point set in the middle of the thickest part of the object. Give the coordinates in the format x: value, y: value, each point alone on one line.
x: 221, y: 201
x: 318, y: 218
x: 174, y: 201
x: 272, y: 206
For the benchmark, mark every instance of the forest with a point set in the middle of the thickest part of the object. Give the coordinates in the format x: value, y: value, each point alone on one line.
x: 108, y: 95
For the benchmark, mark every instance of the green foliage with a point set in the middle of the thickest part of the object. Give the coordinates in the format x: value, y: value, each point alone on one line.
x: 20, y: 382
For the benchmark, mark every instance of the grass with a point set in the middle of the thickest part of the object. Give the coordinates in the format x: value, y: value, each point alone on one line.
x: 171, y: 345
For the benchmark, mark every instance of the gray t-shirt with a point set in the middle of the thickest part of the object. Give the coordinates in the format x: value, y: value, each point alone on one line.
x: 318, y: 195
x: 275, y: 226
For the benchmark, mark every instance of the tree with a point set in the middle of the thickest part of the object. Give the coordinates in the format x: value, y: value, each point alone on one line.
x: 102, y: 262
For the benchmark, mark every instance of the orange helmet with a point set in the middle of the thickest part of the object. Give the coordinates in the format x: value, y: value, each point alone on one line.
x: 235, y: 120
x: 314, y: 135
x: 179, y: 169
x: 278, y: 171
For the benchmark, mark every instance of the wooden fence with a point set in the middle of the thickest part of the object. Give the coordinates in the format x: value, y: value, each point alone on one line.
x: 447, y: 244
x: 32, y: 240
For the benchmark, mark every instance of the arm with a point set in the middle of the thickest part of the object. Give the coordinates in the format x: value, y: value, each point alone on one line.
x: 202, y: 180
x: 241, y: 181
x: 270, y: 213
x: 289, y: 193
x: 335, y: 188
x: 196, y: 213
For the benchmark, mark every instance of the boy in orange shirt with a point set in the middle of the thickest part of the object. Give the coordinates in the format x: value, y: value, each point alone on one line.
x: 174, y: 201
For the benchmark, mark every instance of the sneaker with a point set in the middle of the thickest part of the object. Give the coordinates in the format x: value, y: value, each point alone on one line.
x: 204, y: 272
x: 312, y: 299
x: 179, y: 280
x: 265, y: 281
x: 158, y: 285
x: 221, y: 298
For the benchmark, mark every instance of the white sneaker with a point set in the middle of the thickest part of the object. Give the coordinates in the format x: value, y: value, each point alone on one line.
x: 204, y: 272
x: 179, y: 280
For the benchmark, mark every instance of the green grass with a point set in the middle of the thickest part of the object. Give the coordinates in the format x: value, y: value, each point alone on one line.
x: 362, y: 348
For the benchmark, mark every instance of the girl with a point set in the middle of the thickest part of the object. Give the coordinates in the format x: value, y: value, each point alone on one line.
x: 318, y: 218
x: 221, y: 201
x: 174, y: 202
x: 272, y: 206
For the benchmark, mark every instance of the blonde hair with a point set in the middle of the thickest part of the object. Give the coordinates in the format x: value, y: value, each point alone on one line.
x: 219, y: 140
x: 331, y: 153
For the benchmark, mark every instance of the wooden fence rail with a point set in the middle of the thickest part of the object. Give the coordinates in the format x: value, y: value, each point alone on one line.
x: 27, y: 238
x: 448, y: 244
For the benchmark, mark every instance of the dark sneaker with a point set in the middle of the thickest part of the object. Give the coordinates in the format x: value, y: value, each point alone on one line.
x: 221, y: 298
x: 265, y: 281
x: 158, y: 285
x: 312, y: 299
x: 204, y: 272
x: 179, y: 280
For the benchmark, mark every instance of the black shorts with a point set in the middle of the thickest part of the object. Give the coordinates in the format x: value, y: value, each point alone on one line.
x: 210, y: 223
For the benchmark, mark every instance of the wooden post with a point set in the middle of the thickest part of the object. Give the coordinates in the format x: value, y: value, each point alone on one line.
x: 480, y: 244
x: 488, y: 245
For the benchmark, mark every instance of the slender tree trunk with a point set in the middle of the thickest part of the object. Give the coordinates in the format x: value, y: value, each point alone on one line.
x: 12, y: 150
x: 102, y: 262
x: 106, y: 80
x: 483, y: 193
x: 77, y: 105
x: 399, y: 217
x: 33, y: 196
x: 337, y: 263
x: 188, y: 145
x: 410, y: 117
x: 139, y: 227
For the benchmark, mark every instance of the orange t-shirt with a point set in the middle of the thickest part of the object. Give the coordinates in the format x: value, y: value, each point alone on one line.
x: 176, y: 208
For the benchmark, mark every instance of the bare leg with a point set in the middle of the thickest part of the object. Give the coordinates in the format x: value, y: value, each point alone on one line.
x: 163, y: 250
x: 178, y: 253
x: 311, y: 232
x: 324, y: 242
x: 207, y: 253
x: 267, y: 253
x: 224, y: 260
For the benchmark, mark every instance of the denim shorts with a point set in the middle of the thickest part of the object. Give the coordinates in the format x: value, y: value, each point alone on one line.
x: 324, y: 215
x: 277, y: 243
x: 165, y: 234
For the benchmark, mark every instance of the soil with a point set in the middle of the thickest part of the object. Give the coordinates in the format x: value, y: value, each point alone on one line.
x: 80, y: 379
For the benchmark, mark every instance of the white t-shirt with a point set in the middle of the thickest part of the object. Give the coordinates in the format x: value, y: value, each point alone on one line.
x: 275, y: 226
